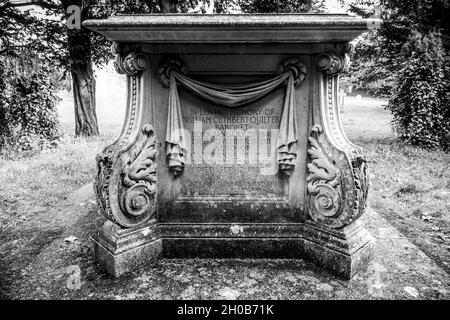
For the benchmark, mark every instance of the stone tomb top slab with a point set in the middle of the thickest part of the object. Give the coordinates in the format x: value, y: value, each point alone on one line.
x: 231, y: 28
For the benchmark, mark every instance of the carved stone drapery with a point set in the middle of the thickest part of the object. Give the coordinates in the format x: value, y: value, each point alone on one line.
x: 171, y: 72
x: 126, y: 181
x: 337, y: 170
x: 175, y: 138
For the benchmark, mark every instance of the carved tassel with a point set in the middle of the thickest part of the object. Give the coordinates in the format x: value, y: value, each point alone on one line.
x: 175, y: 138
x: 287, y: 137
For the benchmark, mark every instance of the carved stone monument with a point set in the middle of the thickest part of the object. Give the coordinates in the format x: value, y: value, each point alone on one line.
x: 232, y: 144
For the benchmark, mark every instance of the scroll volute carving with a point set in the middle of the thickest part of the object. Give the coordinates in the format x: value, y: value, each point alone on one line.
x: 332, y: 63
x: 337, y: 180
x: 126, y: 183
x: 128, y: 60
x: 336, y: 187
x: 138, y: 193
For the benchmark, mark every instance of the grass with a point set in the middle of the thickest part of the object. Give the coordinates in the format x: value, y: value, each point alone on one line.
x: 410, y: 187
x: 29, y: 185
x: 31, y: 189
x: 32, y: 185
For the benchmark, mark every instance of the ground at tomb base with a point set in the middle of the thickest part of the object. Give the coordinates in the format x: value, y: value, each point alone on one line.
x: 399, y: 270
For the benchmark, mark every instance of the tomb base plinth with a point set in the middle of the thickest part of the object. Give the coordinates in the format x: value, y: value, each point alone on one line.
x: 342, y: 252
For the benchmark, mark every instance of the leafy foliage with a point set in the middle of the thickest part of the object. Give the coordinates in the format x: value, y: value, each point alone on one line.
x: 378, y: 55
x: 421, y: 103
x: 73, y: 47
x: 15, y: 27
x: 76, y: 51
x: 373, y: 67
x: 3, y: 96
x: 28, y: 116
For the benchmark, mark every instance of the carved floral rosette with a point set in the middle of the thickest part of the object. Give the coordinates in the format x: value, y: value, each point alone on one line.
x: 337, y: 180
x: 126, y: 182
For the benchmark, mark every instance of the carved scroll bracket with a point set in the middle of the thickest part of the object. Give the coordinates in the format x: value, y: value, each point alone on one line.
x: 336, y: 189
x: 126, y: 62
x: 332, y: 63
x: 337, y: 173
x: 126, y: 181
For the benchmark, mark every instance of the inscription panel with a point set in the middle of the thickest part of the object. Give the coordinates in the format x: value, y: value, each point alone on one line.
x: 232, y: 151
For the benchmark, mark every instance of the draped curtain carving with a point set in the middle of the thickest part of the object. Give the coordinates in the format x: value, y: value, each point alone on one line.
x: 232, y: 96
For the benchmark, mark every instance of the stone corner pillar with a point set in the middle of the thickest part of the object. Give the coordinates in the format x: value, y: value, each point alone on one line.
x: 126, y: 181
x: 337, y: 174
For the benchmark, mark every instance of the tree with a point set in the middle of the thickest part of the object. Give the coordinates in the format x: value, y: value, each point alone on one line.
x: 58, y: 47
x: 378, y: 54
x: 15, y: 27
x: 75, y: 51
x: 3, y: 97
x: 28, y: 118
x: 421, y: 103
x: 407, y: 60
x: 78, y: 50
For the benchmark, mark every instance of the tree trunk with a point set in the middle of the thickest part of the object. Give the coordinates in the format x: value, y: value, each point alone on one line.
x: 84, y: 100
x: 83, y: 81
x: 168, y: 6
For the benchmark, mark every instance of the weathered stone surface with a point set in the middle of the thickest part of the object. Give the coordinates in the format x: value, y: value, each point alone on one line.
x: 232, y: 145
x: 262, y: 28
x: 345, y: 252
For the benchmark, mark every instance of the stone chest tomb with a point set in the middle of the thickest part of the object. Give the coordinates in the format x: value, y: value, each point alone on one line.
x: 232, y: 146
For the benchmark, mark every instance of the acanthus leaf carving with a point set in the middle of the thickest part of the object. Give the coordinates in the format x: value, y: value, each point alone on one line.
x: 320, y: 168
x: 139, y: 178
x: 323, y: 181
x: 102, y: 183
x: 143, y: 169
x: 361, y: 178
x: 126, y: 183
